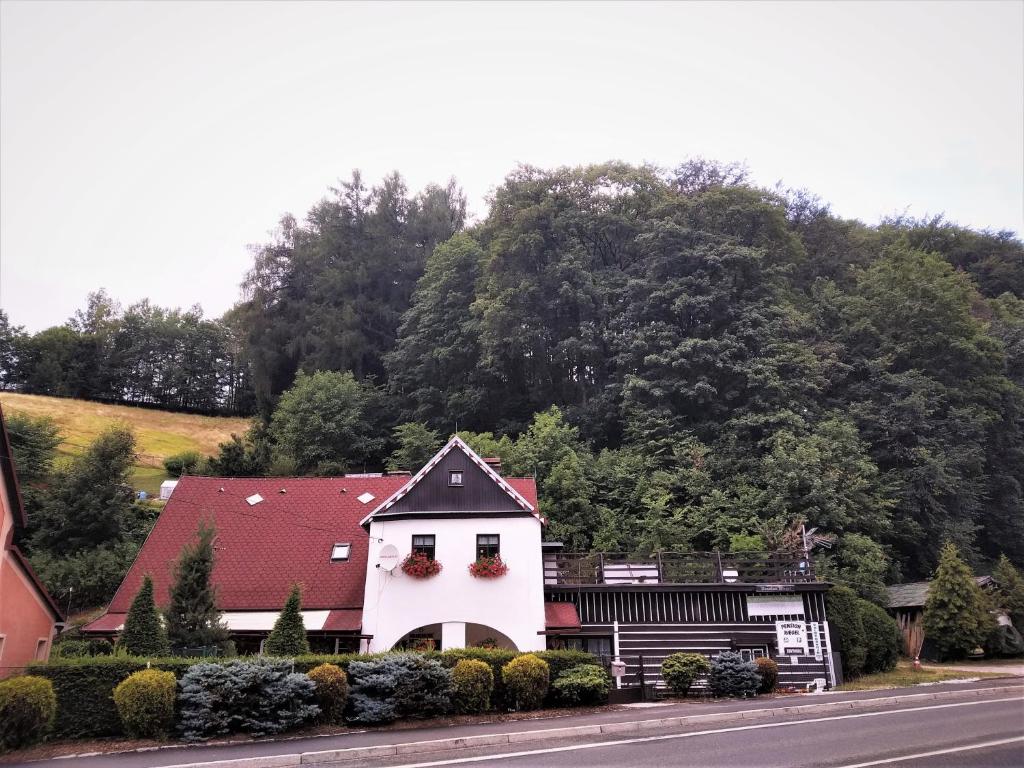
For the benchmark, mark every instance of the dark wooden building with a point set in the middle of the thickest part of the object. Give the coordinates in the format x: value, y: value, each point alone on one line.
x: 641, y: 610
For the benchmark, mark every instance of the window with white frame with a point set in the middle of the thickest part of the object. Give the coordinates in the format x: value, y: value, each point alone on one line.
x: 340, y: 552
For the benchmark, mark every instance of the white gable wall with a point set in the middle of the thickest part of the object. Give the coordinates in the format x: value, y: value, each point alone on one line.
x: 395, y: 604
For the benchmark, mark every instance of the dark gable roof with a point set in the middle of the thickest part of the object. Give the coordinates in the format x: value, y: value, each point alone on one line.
x: 483, y: 489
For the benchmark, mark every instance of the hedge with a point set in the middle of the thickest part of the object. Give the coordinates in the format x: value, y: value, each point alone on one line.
x: 84, y: 685
x: 85, y: 690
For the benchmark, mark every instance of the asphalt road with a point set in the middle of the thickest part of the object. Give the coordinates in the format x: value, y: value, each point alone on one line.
x: 883, y: 732
x: 899, y: 737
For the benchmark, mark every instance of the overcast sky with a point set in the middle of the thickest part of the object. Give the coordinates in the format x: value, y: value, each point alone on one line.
x: 143, y: 146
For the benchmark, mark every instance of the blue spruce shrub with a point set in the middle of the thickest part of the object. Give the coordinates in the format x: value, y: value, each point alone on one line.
x: 260, y: 697
x: 732, y: 676
x: 397, y: 686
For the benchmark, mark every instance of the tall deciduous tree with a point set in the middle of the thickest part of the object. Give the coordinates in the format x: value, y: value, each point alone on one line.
x: 90, y: 502
x: 417, y: 444
x: 329, y: 422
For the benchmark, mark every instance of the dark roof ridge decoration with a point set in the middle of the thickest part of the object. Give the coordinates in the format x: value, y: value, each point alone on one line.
x: 453, y: 443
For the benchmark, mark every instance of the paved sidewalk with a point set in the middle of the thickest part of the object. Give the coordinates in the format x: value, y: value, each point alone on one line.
x: 377, y: 737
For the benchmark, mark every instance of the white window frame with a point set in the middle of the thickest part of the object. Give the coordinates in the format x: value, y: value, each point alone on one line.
x: 348, y: 551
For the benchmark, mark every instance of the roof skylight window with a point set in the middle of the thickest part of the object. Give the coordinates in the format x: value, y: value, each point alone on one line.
x: 253, y: 500
x: 366, y: 497
x: 340, y: 552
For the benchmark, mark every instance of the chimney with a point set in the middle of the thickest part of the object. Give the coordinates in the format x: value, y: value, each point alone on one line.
x: 494, y: 462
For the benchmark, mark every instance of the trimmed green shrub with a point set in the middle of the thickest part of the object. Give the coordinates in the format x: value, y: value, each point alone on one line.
x: 882, y: 637
x: 27, y: 709
x: 288, y: 637
x: 680, y: 670
x: 472, y: 684
x: 85, y: 688
x: 144, y: 633
x: 331, y: 691
x: 261, y: 697
x: 184, y: 463
x: 844, y: 618
x: 145, y: 703
x: 561, y: 661
x: 77, y: 648
x: 398, y: 685
x: 70, y: 649
x: 587, y: 685
x: 769, y: 672
x: 495, y: 658
x: 732, y: 676
x: 526, y: 681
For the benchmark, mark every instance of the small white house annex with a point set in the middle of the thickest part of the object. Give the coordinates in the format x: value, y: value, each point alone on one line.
x: 454, y: 511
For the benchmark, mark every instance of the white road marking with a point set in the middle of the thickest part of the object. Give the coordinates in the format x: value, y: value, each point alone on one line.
x: 919, y: 755
x: 667, y: 737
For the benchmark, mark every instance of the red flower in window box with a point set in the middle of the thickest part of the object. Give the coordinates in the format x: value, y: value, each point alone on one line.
x: 488, y: 567
x: 419, y: 566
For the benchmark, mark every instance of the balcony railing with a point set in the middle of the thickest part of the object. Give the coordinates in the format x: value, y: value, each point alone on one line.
x: 678, y: 568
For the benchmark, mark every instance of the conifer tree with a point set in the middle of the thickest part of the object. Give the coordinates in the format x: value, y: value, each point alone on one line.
x: 192, y: 616
x: 144, y: 633
x: 956, y: 619
x: 1011, y: 590
x: 288, y: 637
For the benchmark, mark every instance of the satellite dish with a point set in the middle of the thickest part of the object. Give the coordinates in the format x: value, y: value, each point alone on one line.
x: 388, y: 557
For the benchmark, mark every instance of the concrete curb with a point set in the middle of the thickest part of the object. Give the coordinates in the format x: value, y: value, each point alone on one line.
x: 632, y: 727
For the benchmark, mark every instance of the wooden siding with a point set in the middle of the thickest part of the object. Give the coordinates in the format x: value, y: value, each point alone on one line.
x: 478, y: 493
x: 655, y: 623
x: 634, y: 605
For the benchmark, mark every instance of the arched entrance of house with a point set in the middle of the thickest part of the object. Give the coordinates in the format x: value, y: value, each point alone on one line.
x: 453, y: 634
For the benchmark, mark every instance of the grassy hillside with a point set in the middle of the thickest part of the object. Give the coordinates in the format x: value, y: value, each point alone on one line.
x: 159, y: 433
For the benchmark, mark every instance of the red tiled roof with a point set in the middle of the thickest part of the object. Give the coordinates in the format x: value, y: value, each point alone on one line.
x: 262, y: 550
x: 107, y: 623
x: 345, y: 620
x: 561, y: 616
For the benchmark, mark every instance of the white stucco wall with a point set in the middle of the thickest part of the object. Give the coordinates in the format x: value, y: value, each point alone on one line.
x: 395, y: 604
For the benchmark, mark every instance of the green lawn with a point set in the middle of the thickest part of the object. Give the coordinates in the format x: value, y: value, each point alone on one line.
x: 905, y: 675
x: 159, y: 433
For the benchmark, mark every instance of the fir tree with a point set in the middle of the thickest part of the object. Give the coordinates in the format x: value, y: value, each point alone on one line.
x: 1010, y: 587
x: 192, y: 616
x: 288, y: 637
x: 956, y: 619
x: 144, y: 633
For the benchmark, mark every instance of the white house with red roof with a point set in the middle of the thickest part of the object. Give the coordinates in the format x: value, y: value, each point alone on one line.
x: 327, y: 534
x: 453, y: 511
x: 345, y: 541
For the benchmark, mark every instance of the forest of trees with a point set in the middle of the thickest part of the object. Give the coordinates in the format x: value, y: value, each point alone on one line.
x: 683, y: 359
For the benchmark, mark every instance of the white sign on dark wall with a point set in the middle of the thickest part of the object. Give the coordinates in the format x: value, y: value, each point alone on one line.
x: 792, y: 638
x: 816, y: 640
